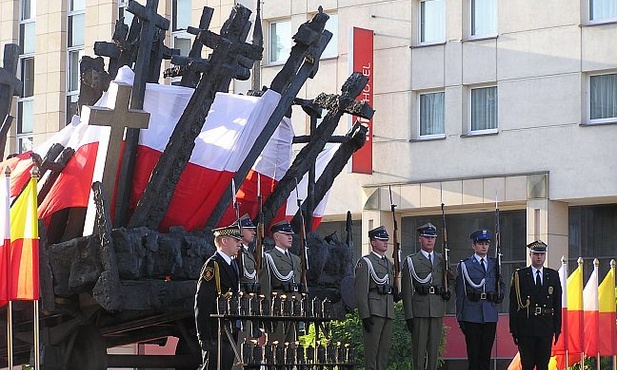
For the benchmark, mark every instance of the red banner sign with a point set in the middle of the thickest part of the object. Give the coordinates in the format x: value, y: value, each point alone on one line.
x: 361, y: 60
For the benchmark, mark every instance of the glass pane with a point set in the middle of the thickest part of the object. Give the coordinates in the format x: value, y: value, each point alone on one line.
x: 26, y: 9
x: 71, y: 107
x: 602, y: 9
x: 603, y: 96
x: 26, y: 38
x: 73, y: 72
x: 77, y: 5
x: 432, y: 116
x: 331, y: 50
x: 484, y: 109
x: 27, y: 76
x: 26, y: 144
x: 25, y: 122
x: 76, y: 29
x: 483, y: 17
x: 181, y: 14
x: 432, y: 21
x: 128, y: 16
x: 280, y: 41
x: 184, y: 44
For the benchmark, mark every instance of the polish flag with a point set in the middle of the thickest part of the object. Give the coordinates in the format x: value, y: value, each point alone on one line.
x: 591, y: 313
x: 5, y: 239
x: 562, y: 344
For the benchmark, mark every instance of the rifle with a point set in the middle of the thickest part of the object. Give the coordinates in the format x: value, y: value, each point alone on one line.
x: 237, y: 209
x: 304, y: 249
x: 446, y: 258
x: 498, y: 253
x: 260, y: 229
x: 396, y: 246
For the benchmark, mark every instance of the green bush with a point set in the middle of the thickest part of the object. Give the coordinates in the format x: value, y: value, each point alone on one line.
x: 349, y: 331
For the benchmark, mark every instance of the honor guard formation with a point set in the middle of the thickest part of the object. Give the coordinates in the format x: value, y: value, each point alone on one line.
x: 251, y: 304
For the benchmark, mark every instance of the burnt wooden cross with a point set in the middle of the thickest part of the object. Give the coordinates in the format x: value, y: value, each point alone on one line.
x: 337, y: 106
x: 152, y: 22
x: 9, y: 86
x: 123, y: 50
x: 118, y: 118
x: 303, y: 62
x: 159, y: 52
x: 222, y: 65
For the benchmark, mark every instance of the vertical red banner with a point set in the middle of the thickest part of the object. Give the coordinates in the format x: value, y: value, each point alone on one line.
x: 361, y: 60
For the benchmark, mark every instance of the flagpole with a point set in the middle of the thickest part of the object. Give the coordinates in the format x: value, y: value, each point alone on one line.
x: 9, y: 334
x: 36, y: 335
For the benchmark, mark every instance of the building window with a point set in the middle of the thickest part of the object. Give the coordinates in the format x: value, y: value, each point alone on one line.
x: 331, y: 50
x: 483, y: 109
x: 432, y: 21
x: 75, y: 50
x: 483, y: 18
x: 280, y: 41
x: 180, y: 21
x: 602, y: 10
x: 25, y: 103
x: 432, y: 114
x: 603, y: 98
x: 122, y: 13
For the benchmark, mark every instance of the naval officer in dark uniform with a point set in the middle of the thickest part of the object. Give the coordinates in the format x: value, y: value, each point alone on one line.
x: 424, y: 299
x: 477, y: 300
x: 535, y: 309
x: 219, y: 277
x: 374, y: 291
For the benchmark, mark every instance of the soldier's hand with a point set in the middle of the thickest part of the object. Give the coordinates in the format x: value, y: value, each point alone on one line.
x: 556, y: 338
x: 446, y: 295
x: 515, y: 339
x: 409, y: 323
x: 367, y: 323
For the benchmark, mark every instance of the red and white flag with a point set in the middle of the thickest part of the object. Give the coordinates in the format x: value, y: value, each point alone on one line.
x: 5, y: 239
x: 591, y: 313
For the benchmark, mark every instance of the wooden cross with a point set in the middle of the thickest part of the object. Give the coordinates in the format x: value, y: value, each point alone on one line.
x: 118, y: 118
x: 9, y: 84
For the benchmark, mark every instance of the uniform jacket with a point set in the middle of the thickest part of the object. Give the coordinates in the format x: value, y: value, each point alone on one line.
x: 248, y: 265
x: 205, y: 298
x: 369, y: 301
x: 525, y: 321
x: 416, y: 305
x: 468, y: 307
x: 268, y: 280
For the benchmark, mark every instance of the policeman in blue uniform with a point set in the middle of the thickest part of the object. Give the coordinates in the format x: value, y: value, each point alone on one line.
x: 535, y: 309
x: 478, y: 293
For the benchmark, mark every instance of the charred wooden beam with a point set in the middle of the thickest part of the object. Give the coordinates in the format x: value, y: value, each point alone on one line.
x: 55, y: 166
x: 154, y: 203
x: 93, y: 80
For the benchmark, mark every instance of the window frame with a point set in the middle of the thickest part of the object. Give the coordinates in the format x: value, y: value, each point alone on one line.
x: 472, y: 16
x: 470, y: 130
x: 588, y: 15
x: 270, y: 23
x: 72, y: 92
x: 24, y: 100
x: 598, y: 121
x: 418, y: 132
x: 421, y: 23
x: 332, y: 49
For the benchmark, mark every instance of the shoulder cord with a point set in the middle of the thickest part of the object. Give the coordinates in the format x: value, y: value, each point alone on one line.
x: 217, y: 278
x: 275, y: 270
x: 414, y: 276
x: 245, y: 272
x: 517, y: 288
x: 481, y: 284
x: 384, y: 280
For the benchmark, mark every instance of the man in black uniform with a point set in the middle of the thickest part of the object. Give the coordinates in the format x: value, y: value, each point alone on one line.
x: 535, y: 309
x: 219, y: 276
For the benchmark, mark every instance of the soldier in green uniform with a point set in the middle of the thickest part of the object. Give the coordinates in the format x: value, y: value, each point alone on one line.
x: 374, y: 291
x: 535, y: 309
x: 424, y: 299
x: 281, y: 275
x: 248, y: 275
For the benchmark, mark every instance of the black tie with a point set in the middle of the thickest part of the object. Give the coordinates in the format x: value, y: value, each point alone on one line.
x: 538, y: 280
x: 483, y: 265
x: 234, y: 266
x: 430, y: 258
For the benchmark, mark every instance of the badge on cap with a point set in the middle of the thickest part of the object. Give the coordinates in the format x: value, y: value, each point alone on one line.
x: 537, y: 246
x: 480, y: 235
x: 427, y: 230
x: 379, y: 233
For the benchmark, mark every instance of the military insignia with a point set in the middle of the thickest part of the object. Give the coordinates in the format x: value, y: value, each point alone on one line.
x: 209, y: 273
x: 550, y: 290
x: 359, y: 265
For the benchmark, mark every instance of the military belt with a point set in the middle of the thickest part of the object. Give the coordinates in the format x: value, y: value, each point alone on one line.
x: 289, y: 287
x: 383, y: 289
x: 250, y: 287
x: 429, y: 289
x: 482, y: 296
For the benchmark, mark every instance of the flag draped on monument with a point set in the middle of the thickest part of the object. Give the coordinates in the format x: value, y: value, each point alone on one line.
x: 24, y: 252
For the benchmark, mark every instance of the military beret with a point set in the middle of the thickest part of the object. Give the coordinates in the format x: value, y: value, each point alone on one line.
x: 283, y: 227
x: 379, y: 233
x: 480, y: 235
x: 232, y: 231
x: 537, y: 247
x: 246, y: 222
x: 427, y: 230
